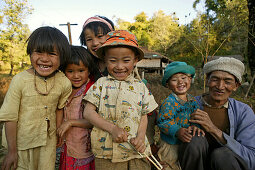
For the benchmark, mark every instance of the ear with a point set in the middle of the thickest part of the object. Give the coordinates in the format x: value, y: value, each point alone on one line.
x: 206, y: 80
x: 136, y: 60
x: 236, y: 87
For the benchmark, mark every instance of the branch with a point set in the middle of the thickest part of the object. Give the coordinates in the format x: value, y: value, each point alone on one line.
x: 201, y: 52
x: 251, y: 41
x: 222, y: 43
x: 251, y: 34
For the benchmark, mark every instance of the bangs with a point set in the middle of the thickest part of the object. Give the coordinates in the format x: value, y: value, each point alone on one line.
x: 97, y: 28
x: 42, y: 45
x: 49, y: 39
x: 46, y: 39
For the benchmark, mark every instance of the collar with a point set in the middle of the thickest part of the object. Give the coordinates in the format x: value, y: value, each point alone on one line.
x: 225, y: 105
x: 130, y: 78
x: 81, y: 90
x: 182, y: 102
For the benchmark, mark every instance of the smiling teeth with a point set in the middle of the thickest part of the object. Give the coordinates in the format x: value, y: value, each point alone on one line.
x: 41, y: 66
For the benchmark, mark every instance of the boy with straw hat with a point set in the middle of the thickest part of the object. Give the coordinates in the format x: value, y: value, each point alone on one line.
x: 118, y: 105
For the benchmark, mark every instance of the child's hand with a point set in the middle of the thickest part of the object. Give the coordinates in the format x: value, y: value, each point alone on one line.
x: 59, y: 141
x: 196, y: 129
x: 10, y: 161
x: 64, y: 128
x: 119, y: 135
x: 138, y: 143
x: 184, y: 134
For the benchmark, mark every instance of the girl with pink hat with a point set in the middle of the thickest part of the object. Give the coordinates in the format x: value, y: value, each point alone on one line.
x: 93, y: 35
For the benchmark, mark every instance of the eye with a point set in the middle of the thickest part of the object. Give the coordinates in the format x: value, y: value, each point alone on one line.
x: 100, y: 35
x: 127, y: 60
x: 69, y: 71
x: 88, y: 39
x: 112, y: 60
x: 38, y: 52
x: 214, y: 79
x: 53, y: 54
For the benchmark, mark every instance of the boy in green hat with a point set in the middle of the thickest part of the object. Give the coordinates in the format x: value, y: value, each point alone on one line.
x: 117, y: 106
x: 174, y: 113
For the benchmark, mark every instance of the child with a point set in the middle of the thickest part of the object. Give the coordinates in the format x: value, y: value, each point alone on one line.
x: 118, y: 105
x: 93, y: 35
x: 34, y: 95
x: 174, y: 113
x: 76, y: 152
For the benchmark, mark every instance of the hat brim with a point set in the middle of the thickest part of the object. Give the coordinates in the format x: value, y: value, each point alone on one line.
x: 101, y: 51
x: 181, y: 69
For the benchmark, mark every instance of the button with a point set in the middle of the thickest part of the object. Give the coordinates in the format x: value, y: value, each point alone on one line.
x: 46, y: 119
x: 45, y: 107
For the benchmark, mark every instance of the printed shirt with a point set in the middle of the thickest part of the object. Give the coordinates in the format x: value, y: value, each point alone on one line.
x: 122, y: 103
x: 174, y: 114
x: 33, y: 111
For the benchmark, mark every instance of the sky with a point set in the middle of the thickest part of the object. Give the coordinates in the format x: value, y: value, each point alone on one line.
x: 55, y: 12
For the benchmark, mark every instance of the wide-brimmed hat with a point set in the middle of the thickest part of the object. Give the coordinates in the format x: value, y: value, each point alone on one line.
x: 227, y: 64
x: 177, y: 67
x: 120, y: 38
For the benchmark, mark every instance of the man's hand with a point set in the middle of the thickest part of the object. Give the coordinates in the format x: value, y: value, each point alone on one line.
x: 202, y: 118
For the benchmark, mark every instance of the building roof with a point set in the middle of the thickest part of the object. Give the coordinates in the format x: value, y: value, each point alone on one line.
x: 154, y: 55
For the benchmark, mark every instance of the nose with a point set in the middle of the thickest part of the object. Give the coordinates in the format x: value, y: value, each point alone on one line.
x: 180, y: 80
x: 119, y: 65
x: 95, y: 42
x: 221, y: 84
x: 76, y: 75
x: 45, y: 57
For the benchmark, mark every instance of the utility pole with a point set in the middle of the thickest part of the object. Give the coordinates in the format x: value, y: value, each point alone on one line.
x: 69, y: 31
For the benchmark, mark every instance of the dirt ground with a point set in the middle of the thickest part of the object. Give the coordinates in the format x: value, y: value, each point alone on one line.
x: 154, y: 84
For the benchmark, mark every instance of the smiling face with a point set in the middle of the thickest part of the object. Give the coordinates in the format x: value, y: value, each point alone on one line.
x: 77, y: 74
x: 120, y: 62
x: 221, y: 85
x: 179, y: 83
x: 93, y: 41
x: 45, y: 63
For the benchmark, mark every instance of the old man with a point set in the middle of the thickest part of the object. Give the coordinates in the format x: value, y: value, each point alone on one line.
x: 229, y: 124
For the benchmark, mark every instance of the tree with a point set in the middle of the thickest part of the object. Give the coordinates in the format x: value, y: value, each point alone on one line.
x: 251, y: 35
x: 230, y: 23
x: 157, y: 33
x: 13, y: 32
x: 140, y: 28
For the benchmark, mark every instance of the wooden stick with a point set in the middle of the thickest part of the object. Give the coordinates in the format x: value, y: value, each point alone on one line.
x: 157, y: 161
x: 155, y: 164
x: 141, y: 154
x: 152, y: 161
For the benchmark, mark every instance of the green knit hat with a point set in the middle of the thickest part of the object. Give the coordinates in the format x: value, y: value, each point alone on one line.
x: 177, y: 67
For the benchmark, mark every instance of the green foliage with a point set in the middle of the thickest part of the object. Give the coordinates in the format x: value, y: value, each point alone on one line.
x: 228, y: 21
x: 14, y: 33
x: 221, y: 29
x: 157, y: 33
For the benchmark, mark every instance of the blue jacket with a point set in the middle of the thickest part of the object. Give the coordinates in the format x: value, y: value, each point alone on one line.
x: 242, y: 130
x: 174, y: 115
